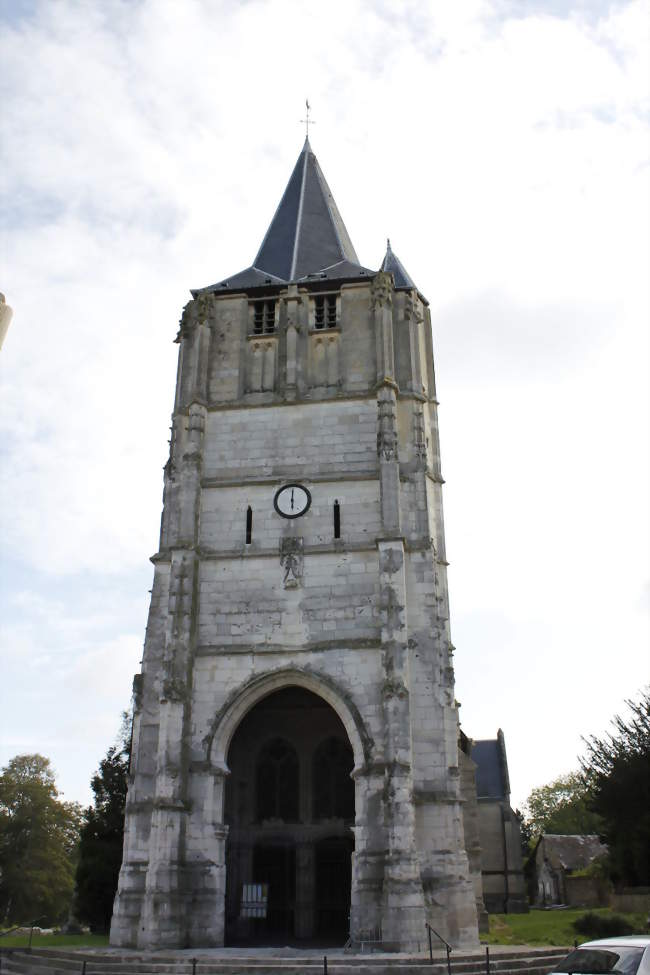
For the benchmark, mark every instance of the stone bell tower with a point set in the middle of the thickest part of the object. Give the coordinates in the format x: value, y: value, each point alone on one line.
x: 295, y: 769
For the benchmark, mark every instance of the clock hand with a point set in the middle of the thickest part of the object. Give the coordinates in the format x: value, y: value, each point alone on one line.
x: 292, y: 499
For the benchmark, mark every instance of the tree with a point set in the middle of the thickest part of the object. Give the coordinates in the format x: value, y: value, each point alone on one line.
x: 526, y: 833
x: 102, y: 835
x: 616, y: 771
x: 562, y: 806
x: 38, y: 843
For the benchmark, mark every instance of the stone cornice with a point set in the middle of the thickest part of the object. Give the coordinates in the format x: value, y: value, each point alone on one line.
x: 271, y: 552
x: 424, y: 796
x: 219, y: 650
x: 371, y: 474
x: 330, y: 477
x: 263, y: 336
x: 169, y: 805
x: 339, y: 397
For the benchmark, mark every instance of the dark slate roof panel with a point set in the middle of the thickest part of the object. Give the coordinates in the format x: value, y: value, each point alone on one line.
x: 572, y: 852
x: 489, y: 773
x: 393, y: 264
x: 321, y: 237
x: 251, y: 277
x: 276, y: 253
x: 342, y: 269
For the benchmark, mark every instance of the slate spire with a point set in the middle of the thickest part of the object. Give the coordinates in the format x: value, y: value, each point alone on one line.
x: 306, y: 237
x: 391, y: 262
x: 307, y: 233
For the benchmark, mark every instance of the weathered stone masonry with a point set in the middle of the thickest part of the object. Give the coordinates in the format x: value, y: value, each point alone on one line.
x: 362, y: 620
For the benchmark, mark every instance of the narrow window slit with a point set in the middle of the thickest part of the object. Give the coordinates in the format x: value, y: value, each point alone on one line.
x: 337, y: 520
x: 249, y: 525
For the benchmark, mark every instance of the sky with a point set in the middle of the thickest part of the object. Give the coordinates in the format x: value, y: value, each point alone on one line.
x: 502, y: 145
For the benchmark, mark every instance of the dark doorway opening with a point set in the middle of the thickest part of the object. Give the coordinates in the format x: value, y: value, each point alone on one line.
x: 289, y: 808
x: 333, y: 875
x: 275, y: 866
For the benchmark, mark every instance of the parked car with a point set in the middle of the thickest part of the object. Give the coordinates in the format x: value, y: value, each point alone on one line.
x: 629, y: 955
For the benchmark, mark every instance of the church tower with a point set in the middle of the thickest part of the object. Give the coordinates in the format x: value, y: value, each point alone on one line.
x: 295, y: 765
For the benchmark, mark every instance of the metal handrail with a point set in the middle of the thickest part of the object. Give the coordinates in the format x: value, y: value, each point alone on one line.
x: 448, y: 947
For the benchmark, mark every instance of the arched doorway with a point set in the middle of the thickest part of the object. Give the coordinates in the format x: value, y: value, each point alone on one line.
x: 289, y: 806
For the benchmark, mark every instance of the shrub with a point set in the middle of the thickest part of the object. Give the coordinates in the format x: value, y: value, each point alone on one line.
x: 594, y: 925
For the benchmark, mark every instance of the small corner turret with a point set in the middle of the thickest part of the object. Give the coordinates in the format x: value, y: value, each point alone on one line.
x: 393, y: 264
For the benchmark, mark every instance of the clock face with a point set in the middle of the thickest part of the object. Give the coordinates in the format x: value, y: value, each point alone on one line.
x: 292, y: 500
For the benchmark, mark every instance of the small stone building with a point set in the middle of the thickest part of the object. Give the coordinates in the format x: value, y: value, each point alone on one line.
x: 556, y: 858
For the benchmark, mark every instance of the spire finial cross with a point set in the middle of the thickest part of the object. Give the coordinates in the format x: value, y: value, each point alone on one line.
x: 306, y: 121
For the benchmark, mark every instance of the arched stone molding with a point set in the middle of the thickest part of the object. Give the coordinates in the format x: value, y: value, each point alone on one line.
x: 244, y: 698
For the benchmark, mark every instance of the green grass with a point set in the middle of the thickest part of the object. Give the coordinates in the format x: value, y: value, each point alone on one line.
x: 546, y: 927
x: 55, y: 941
x: 535, y: 928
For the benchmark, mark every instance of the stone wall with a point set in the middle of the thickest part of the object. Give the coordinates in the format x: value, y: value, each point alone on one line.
x: 631, y: 899
x: 585, y: 891
x: 504, y: 884
x: 291, y: 440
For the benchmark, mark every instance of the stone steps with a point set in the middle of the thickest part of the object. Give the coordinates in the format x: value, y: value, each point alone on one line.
x: 25, y: 966
x: 53, y: 961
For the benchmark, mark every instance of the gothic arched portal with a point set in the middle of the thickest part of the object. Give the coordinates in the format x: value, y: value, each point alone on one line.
x: 289, y: 806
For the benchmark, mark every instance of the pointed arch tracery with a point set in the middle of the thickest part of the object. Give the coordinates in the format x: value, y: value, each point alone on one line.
x: 277, y: 785
x: 242, y: 700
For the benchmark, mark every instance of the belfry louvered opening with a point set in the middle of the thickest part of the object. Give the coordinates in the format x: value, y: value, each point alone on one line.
x: 263, y: 317
x: 325, y: 312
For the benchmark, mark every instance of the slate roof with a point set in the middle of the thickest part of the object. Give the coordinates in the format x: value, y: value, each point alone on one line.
x: 306, y: 239
x: 571, y: 852
x: 492, y: 781
x: 391, y: 262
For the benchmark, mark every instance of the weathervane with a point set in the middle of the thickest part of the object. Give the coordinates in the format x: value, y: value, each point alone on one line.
x: 305, y: 121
